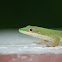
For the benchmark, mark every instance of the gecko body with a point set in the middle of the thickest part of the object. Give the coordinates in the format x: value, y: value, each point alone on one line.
x: 40, y: 32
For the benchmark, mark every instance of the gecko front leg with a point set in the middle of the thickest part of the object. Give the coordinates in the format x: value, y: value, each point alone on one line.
x: 43, y: 42
x: 55, y: 43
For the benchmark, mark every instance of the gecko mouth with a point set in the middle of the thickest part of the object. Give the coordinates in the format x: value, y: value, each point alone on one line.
x: 35, y: 35
x: 28, y: 33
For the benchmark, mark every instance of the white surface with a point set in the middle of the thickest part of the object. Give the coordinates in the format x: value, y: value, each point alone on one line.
x: 13, y: 37
x: 11, y: 42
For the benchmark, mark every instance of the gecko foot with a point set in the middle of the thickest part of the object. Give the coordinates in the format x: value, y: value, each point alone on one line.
x: 55, y: 43
x: 43, y: 42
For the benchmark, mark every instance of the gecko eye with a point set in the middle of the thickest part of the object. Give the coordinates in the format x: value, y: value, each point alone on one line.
x: 30, y: 29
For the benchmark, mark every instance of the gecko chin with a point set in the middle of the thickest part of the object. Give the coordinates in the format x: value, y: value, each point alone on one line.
x: 35, y: 34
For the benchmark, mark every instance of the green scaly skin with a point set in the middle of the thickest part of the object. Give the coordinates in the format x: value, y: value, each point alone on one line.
x: 56, y: 35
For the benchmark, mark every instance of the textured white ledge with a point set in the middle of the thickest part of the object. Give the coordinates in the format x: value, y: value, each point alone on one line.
x: 13, y: 42
x: 29, y: 50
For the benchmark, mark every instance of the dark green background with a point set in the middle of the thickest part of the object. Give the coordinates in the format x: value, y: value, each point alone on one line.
x: 16, y: 14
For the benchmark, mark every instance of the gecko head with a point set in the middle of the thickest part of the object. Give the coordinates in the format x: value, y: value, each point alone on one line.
x: 27, y: 29
x: 30, y: 29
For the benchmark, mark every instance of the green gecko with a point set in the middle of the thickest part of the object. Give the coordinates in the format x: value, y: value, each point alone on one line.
x: 40, y: 32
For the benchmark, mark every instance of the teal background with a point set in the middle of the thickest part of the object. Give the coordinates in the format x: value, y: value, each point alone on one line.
x: 45, y: 13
